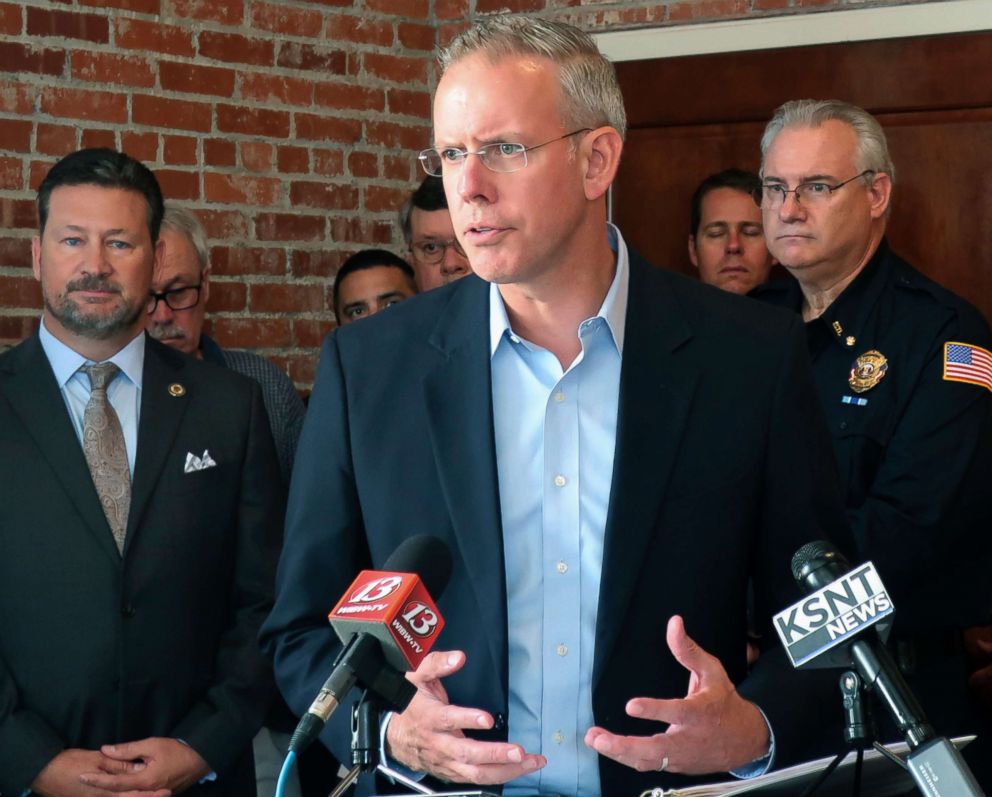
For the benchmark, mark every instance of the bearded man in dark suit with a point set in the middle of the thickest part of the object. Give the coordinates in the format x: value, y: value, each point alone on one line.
x: 139, y: 523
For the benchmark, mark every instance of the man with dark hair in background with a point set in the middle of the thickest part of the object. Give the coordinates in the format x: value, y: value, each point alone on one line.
x: 370, y: 281
x: 436, y: 255
x: 140, y: 518
x: 726, y: 244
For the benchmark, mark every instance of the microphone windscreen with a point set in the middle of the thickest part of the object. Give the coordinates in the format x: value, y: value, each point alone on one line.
x: 811, y: 551
x: 818, y: 563
x: 425, y: 555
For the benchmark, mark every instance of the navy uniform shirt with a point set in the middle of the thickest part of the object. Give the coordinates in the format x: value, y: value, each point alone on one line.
x: 914, y: 448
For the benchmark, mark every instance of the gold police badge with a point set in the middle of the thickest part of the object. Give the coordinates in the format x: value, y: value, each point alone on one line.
x: 868, y: 371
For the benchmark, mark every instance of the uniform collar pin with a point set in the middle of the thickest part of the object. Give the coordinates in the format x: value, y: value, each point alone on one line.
x: 177, y: 390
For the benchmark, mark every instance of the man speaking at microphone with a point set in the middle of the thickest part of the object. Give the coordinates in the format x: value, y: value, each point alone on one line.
x: 610, y: 451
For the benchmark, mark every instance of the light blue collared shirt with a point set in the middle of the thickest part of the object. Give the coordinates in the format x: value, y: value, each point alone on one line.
x: 124, y: 393
x: 556, y: 429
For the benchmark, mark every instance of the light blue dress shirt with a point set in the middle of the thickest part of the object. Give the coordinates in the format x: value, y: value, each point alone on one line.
x: 124, y: 393
x: 557, y: 430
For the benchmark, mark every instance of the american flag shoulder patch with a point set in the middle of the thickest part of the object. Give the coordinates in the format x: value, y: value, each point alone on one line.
x: 965, y: 362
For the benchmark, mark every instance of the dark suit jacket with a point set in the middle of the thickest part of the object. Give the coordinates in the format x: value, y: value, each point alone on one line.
x: 96, y: 648
x: 722, y: 470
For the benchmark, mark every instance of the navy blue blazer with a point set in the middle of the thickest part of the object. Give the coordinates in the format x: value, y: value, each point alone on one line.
x: 722, y: 470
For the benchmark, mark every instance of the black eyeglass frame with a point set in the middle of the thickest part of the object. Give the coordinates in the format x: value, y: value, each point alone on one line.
x: 164, y: 296
x: 444, y: 246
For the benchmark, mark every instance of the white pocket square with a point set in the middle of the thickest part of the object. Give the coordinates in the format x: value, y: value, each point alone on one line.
x: 195, y: 463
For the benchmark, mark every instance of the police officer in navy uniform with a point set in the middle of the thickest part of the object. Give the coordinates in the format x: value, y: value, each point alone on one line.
x: 905, y: 377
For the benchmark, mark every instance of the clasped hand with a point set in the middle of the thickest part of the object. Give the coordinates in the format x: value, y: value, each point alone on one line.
x: 155, y: 767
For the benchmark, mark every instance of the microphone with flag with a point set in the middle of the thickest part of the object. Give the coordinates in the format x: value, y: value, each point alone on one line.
x: 842, y: 623
x: 841, y: 603
x: 387, y: 622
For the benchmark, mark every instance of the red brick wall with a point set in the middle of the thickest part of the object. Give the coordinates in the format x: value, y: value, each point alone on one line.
x: 289, y: 126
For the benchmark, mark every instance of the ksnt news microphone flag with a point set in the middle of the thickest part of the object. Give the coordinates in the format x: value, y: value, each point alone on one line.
x: 814, y: 630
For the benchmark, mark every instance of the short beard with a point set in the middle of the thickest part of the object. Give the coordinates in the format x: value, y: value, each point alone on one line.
x: 94, y: 327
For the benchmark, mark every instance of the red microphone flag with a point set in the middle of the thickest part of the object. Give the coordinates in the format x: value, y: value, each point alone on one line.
x: 396, y: 609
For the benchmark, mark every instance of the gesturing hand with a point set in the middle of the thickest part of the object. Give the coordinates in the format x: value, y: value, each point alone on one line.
x: 429, y: 735
x: 711, y: 729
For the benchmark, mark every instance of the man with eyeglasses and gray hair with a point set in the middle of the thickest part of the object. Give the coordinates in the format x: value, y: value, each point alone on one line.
x: 180, y: 290
x: 609, y: 450
x: 904, y: 374
x: 436, y: 256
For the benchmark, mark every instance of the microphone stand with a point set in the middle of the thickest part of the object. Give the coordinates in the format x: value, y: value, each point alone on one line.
x: 934, y: 764
x: 859, y: 732
x: 365, y: 757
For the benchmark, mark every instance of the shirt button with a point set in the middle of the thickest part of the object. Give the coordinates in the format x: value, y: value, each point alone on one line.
x: 562, y: 650
x: 843, y: 424
x: 560, y: 480
x: 562, y: 567
x: 559, y: 737
x: 559, y: 396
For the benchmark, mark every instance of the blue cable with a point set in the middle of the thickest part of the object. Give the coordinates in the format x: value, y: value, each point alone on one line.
x: 287, y: 767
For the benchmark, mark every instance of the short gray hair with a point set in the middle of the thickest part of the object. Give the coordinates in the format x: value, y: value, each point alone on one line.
x: 590, y: 94
x: 186, y: 223
x: 873, y: 149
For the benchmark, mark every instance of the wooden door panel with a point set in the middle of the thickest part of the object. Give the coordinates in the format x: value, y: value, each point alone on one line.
x: 892, y: 75
x: 660, y: 169
x: 942, y: 209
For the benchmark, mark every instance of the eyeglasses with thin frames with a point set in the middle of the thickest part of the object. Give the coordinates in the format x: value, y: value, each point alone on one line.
x: 771, y: 196
x: 432, y: 251
x: 501, y: 156
x: 182, y: 298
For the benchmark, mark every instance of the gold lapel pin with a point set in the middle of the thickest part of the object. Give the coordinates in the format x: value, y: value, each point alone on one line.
x: 850, y: 340
x: 177, y: 390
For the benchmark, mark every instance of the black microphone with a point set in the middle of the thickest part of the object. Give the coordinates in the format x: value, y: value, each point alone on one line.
x: 387, y: 622
x: 842, y: 617
x: 820, y: 566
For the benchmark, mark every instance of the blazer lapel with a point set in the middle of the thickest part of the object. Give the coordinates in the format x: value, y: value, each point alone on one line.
x: 35, y: 397
x: 459, y: 407
x: 164, y: 398
x: 656, y: 390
